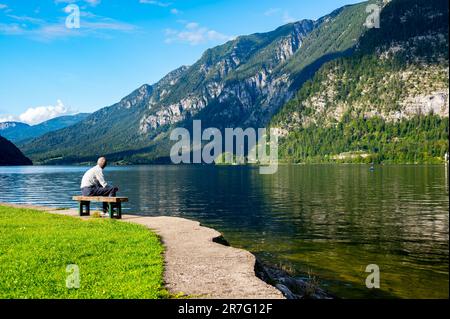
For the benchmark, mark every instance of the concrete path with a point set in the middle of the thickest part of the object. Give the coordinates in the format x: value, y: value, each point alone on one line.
x: 194, y: 264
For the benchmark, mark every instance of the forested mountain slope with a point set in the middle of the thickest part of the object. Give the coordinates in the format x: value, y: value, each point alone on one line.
x: 386, y: 102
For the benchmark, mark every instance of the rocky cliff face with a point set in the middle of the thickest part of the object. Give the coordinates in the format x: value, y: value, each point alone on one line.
x: 401, y: 76
x: 391, y: 96
x: 246, y: 81
x: 218, y: 78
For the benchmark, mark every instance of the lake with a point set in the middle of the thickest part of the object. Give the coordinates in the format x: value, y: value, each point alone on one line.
x: 323, y: 221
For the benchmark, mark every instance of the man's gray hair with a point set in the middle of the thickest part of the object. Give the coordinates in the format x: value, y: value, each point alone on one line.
x: 101, y: 161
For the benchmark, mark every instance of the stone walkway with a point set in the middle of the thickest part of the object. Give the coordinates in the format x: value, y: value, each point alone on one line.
x: 194, y: 264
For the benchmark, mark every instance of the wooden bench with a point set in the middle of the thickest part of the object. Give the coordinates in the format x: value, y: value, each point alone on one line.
x: 113, y: 204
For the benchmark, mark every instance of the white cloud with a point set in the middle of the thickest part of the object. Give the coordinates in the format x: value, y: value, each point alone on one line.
x: 192, y: 25
x: 26, y: 19
x: 3, y: 6
x: 195, y: 34
x: 163, y: 4
x: 156, y: 3
x: 7, y: 118
x: 272, y: 11
x: 285, y: 15
x: 39, y: 114
x: 41, y: 30
x: 287, y: 18
x: 92, y: 3
x: 10, y: 29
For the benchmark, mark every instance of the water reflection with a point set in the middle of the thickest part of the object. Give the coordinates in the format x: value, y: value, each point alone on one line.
x: 331, y: 221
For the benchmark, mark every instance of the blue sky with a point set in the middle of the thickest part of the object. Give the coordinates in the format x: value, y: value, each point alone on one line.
x: 48, y: 69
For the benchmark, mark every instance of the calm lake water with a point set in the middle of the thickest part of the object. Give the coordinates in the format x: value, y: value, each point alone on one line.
x: 324, y: 220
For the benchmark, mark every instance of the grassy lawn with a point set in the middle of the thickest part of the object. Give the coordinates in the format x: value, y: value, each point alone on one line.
x: 115, y: 259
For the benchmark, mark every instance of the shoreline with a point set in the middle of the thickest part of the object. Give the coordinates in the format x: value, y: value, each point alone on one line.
x: 198, y: 263
x: 113, y: 164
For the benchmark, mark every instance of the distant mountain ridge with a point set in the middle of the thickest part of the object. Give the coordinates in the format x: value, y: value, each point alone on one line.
x: 10, y: 155
x: 6, y: 127
x: 242, y: 83
x: 18, y: 132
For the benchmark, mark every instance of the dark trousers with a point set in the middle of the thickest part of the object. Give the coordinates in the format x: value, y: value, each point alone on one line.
x: 99, y: 191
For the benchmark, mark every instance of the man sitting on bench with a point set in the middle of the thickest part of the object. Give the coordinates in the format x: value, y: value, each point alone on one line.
x: 93, y: 183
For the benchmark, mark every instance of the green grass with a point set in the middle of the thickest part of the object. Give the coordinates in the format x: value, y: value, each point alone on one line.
x: 115, y: 259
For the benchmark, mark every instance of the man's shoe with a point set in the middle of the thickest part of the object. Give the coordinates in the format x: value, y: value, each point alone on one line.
x: 105, y: 214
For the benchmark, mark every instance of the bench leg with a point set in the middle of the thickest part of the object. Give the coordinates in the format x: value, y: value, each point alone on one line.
x: 82, y: 207
x: 105, y: 207
x: 111, y: 210
x: 115, y: 210
x: 119, y: 210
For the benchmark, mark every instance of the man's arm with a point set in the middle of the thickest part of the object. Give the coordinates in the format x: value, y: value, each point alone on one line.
x: 101, y: 178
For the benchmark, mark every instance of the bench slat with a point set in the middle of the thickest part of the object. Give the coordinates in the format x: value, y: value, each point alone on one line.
x: 100, y: 199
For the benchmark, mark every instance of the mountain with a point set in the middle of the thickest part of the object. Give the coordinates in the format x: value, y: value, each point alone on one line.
x: 9, y: 129
x: 10, y: 155
x: 387, y: 102
x: 19, y: 132
x: 241, y: 83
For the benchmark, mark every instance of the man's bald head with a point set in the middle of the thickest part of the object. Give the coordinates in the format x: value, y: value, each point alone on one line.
x: 102, y: 162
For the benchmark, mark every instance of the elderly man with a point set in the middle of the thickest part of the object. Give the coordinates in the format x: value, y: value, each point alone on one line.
x: 93, y: 182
